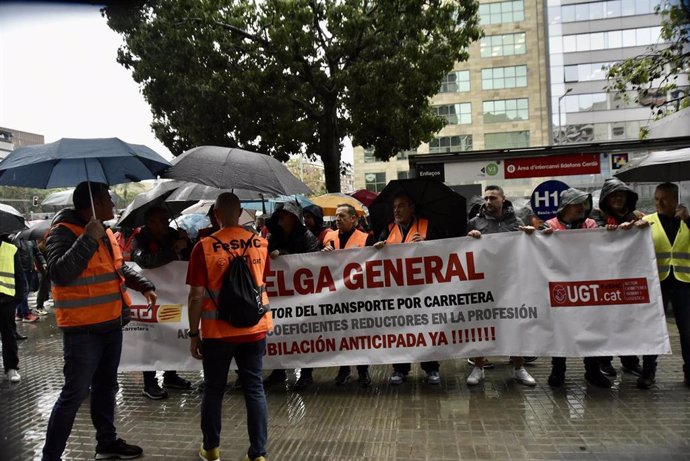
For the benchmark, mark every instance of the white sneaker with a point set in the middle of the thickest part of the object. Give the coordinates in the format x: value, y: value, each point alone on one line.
x: 397, y: 378
x: 476, y: 376
x: 13, y: 376
x: 523, y: 377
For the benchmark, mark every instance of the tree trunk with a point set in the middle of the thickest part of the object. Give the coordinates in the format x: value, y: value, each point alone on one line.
x: 330, y: 148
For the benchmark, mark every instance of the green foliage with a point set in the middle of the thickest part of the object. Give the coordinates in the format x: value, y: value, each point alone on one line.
x: 287, y: 77
x: 653, y: 76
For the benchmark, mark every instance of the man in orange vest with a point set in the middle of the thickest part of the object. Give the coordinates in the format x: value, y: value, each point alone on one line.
x: 408, y: 228
x: 348, y: 236
x: 218, y: 342
x: 91, y: 306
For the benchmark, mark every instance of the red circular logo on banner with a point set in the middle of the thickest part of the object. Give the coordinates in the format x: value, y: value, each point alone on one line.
x: 559, y: 294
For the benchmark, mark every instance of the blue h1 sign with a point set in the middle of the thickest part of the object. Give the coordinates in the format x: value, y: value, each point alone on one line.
x: 544, y: 198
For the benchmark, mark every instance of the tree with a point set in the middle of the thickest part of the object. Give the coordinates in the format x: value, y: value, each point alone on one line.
x: 653, y: 76
x: 293, y: 77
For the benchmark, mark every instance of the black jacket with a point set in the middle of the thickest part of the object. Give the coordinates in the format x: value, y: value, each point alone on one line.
x: 150, y: 253
x: 68, y: 256
x: 616, y: 185
x: 488, y: 224
x: 300, y: 240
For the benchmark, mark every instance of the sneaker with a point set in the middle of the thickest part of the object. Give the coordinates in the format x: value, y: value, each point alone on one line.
x: 154, y: 392
x: 117, y: 449
x: 176, y: 382
x: 487, y: 363
x: 476, y: 376
x: 556, y: 378
x: 523, y: 377
x: 364, y: 379
x: 41, y: 311
x: 530, y: 359
x: 276, y: 377
x: 433, y: 378
x: 303, y: 382
x: 597, y: 379
x: 646, y: 381
x: 13, y: 375
x: 343, y: 376
x: 247, y: 458
x: 633, y: 369
x: 30, y: 318
x: 397, y: 378
x: 212, y: 454
x: 608, y: 370
x: 19, y: 337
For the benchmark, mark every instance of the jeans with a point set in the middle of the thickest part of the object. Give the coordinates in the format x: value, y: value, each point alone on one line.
x: 10, y: 351
x: 249, y: 358
x: 678, y: 294
x: 591, y: 365
x: 91, y: 362
x: 405, y: 368
x: 23, y: 305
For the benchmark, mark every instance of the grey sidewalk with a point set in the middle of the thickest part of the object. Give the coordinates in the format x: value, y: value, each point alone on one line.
x: 499, y: 420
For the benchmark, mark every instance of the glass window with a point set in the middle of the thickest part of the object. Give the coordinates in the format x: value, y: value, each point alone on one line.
x: 613, y: 9
x: 506, y: 140
x: 460, y: 143
x: 643, y: 36
x: 571, y: 74
x: 614, y: 39
x: 628, y: 8
x: 504, y: 77
x: 628, y: 36
x: 597, y: 41
x: 507, y: 110
x: 582, y: 12
x: 569, y: 43
x: 369, y: 155
x: 502, y: 12
x: 456, y: 82
x: 568, y: 13
x: 456, y: 114
x: 502, y: 45
x: 375, y: 181
x: 403, y: 174
x: 583, y: 42
x: 597, y: 11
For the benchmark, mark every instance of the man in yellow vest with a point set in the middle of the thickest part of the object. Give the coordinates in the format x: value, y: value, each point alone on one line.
x: 407, y: 228
x: 12, y: 286
x: 218, y: 342
x: 348, y: 236
x: 671, y: 237
x: 91, y: 305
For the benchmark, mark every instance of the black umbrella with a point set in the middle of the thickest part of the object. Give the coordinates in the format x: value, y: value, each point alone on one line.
x: 444, y: 208
x: 133, y: 216
x: 187, y: 191
x: 37, y: 230
x: 11, y: 220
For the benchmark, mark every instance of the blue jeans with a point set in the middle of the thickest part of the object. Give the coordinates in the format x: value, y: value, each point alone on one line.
x: 23, y: 305
x: 249, y: 358
x: 91, y: 361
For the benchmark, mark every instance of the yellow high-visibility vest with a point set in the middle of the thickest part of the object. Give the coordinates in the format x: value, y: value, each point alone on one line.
x: 7, y: 252
x: 667, y: 256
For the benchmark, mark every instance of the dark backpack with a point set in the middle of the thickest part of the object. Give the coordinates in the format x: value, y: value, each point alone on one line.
x: 239, y: 302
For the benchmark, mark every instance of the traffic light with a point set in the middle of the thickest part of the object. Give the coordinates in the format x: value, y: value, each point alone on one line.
x: 35, y: 200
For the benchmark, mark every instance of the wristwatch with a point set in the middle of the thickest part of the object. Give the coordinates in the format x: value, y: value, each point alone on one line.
x: 192, y: 334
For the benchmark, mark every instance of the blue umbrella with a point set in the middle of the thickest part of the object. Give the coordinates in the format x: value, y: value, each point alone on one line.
x: 68, y: 162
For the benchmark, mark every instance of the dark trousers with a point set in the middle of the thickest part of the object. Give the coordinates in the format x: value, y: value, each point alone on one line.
x: 249, y: 358
x: 10, y: 351
x: 628, y: 361
x: 405, y: 368
x: 678, y: 294
x: 361, y: 369
x: 91, y: 362
x: 43, y: 289
x: 23, y: 305
x: 150, y: 377
x: 591, y: 364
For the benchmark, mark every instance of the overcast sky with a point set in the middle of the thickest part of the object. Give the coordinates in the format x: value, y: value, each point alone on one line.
x: 59, y: 77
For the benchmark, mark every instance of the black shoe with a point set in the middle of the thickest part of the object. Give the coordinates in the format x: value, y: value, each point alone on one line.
x: 608, y: 370
x: 633, y: 369
x: 556, y: 378
x: 176, y: 382
x: 343, y: 376
x: 276, y: 377
x: 364, y: 379
x: 646, y: 381
x: 19, y: 337
x: 117, y: 449
x: 530, y: 359
x: 303, y: 382
x: 154, y: 392
x: 597, y: 379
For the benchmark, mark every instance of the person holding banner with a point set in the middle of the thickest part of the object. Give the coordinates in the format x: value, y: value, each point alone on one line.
x: 218, y: 342
x: 91, y: 307
x: 574, y: 208
x: 155, y: 245
x: 496, y: 215
x: 348, y: 236
x: 408, y: 228
x: 671, y: 235
x: 288, y: 235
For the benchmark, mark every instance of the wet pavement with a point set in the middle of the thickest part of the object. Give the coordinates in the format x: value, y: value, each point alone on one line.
x: 497, y: 420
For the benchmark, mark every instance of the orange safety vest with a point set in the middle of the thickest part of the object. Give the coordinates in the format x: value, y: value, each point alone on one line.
x: 96, y: 296
x: 420, y: 225
x: 358, y: 239
x: 216, y: 264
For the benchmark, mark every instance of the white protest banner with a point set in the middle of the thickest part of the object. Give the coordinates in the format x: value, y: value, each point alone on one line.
x: 575, y: 293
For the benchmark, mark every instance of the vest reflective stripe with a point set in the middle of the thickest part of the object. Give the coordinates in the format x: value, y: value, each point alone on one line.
x: 98, y: 294
x: 676, y: 257
x: 420, y: 225
x: 7, y: 252
x: 358, y: 239
x: 216, y: 264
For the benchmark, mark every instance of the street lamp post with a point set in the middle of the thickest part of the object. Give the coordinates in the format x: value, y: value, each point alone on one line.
x: 558, y: 139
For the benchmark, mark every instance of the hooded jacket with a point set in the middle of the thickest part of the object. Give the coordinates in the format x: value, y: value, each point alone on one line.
x: 609, y: 216
x: 573, y: 196
x: 486, y: 223
x: 300, y: 240
x: 319, y: 230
